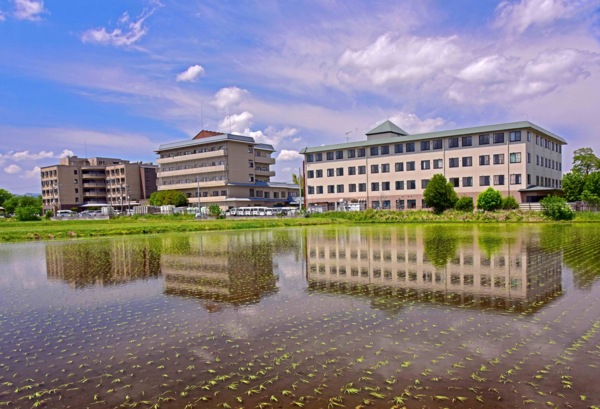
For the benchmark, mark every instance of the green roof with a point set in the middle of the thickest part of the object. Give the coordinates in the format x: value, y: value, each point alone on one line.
x: 387, y: 126
x: 436, y: 135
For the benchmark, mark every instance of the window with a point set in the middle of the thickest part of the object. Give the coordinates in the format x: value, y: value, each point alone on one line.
x: 410, y: 147
x: 361, y: 152
x: 386, y: 205
x: 528, y: 157
x: 339, y: 172
x: 515, y: 157
x: 499, y: 159
x: 537, y: 140
x: 311, y: 191
x: 275, y: 195
x: 310, y: 174
x: 453, y: 163
x: 385, y: 185
x: 374, y: 150
x: 467, y: 141
x: 75, y: 171
x: 425, y: 145
x: 424, y: 183
x: 498, y: 180
x: 454, y: 182
x: 76, y: 190
x: 484, y: 180
x: 385, y: 150
x: 319, y: 157
x: 515, y: 136
x: 250, y: 151
x: 76, y: 200
x: 319, y: 190
x: 484, y: 139
x: 319, y: 173
x: 250, y: 164
x: 528, y: 179
x: 375, y: 186
x: 537, y: 160
x: 351, y: 170
x: 329, y: 155
x: 467, y: 181
x: 437, y: 144
x: 499, y: 138
x: 374, y: 168
x: 467, y: 161
x: 330, y: 189
x: 351, y: 153
x: 340, y: 188
x: 410, y: 166
x: 398, y: 148
x: 75, y: 181
x: 352, y: 187
x: 385, y: 168
x: 399, y: 185
x: 330, y: 173
x: 484, y: 160
x: 339, y: 154
x: 528, y: 136
x: 411, y: 185
x: 515, y: 179
x: 399, y: 166
x: 453, y: 143
x: 438, y: 163
x: 362, y: 170
x: 425, y: 164
x: 362, y: 187
x: 375, y: 204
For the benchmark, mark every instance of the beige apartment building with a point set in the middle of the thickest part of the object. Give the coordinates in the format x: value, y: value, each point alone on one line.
x: 83, y: 182
x: 229, y: 170
x: 391, y: 169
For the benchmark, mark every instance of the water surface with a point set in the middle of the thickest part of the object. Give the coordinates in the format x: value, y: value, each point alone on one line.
x: 382, y: 316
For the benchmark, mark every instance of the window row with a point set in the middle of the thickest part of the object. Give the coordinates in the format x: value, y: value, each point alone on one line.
x: 548, y: 163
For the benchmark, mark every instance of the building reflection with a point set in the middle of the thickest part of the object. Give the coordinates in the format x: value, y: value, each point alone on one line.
x: 102, y: 263
x: 233, y: 268
x: 432, y: 264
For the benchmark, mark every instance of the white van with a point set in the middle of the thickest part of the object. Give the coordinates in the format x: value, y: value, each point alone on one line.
x: 233, y: 211
x: 65, y: 213
x: 248, y: 211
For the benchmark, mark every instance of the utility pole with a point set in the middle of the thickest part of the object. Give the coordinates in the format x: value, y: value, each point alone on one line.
x: 121, y: 197
x: 59, y: 206
x: 198, y: 179
x: 128, y: 201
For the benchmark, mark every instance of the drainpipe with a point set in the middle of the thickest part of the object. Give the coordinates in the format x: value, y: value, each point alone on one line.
x: 305, y: 187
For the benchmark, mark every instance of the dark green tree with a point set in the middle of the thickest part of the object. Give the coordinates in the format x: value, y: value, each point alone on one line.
x: 439, y: 194
x: 168, y: 197
x: 465, y: 204
x: 510, y: 203
x: 556, y: 208
x: 489, y: 200
x: 585, y: 162
x: 592, y: 183
x: 4, y: 196
x: 572, y: 185
x: 15, y: 202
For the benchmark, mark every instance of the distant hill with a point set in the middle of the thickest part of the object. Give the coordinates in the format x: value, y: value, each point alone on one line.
x: 32, y: 194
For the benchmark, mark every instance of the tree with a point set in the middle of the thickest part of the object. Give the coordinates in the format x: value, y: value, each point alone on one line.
x: 556, y: 208
x: 299, y: 180
x: 592, y: 183
x: 489, y: 200
x: 510, y: 203
x: 465, y: 204
x: 168, y: 197
x: 439, y: 194
x: 572, y: 185
x: 4, y: 196
x: 585, y: 162
x: 15, y: 202
x: 593, y: 200
x: 214, y: 210
x: 27, y: 213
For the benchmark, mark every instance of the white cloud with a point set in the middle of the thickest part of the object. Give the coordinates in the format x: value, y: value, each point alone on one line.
x: 228, y: 97
x: 35, y: 172
x: 411, y: 123
x: 191, y: 74
x: 133, y: 32
x: 236, y: 123
x: 29, y: 9
x: 2, y: 18
x: 405, y: 59
x: 286, y: 169
x: 287, y: 155
x: 520, y: 15
x: 26, y: 155
x: 12, y: 169
x: 241, y: 124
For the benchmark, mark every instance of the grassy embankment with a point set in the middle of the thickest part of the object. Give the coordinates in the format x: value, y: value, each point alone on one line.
x: 13, y: 231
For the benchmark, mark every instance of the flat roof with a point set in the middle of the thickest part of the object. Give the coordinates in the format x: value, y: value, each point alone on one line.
x: 435, y: 135
x: 213, y: 139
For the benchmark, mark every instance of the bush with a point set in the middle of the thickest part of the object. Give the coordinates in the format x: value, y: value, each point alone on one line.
x: 27, y: 214
x: 489, y: 200
x: 168, y: 197
x: 556, y: 208
x: 465, y: 204
x: 49, y: 214
x: 510, y: 203
x: 439, y: 194
x: 214, y: 210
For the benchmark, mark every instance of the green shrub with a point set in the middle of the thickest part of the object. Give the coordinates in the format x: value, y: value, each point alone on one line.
x: 489, y: 200
x: 556, y: 208
x: 465, y: 204
x: 27, y: 214
x: 214, y: 210
x: 49, y: 214
x: 369, y: 214
x: 510, y: 203
x: 439, y: 194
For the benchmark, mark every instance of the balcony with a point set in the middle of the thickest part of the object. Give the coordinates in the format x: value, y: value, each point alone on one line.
x: 192, y: 185
x: 264, y: 160
x: 94, y: 193
x: 207, y: 199
x: 93, y: 184
x: 93, y: 175
x: 264, y: 172
x: 193, y: 156
x: 192, y: 171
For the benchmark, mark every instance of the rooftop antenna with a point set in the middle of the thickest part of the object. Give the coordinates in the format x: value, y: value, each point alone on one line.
x: 347, y: 136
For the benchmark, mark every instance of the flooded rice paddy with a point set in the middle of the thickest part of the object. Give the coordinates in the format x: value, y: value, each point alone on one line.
x: 357, y: 317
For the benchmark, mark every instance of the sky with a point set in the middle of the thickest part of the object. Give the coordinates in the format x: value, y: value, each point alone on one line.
x: 119, y: 78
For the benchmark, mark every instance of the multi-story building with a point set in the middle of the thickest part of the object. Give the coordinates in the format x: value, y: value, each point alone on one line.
x: 230, y: 170
x: 80, y: 182
x: 391, y: 169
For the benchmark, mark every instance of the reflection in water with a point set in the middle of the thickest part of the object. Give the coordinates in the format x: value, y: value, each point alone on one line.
x: 435, y: 264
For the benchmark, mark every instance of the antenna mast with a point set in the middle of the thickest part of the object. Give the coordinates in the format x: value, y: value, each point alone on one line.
x: 347, y: 136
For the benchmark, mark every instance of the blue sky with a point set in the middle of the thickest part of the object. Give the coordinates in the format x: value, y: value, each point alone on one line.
x: 125, y: 76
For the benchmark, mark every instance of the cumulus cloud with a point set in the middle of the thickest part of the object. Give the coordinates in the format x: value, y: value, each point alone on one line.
x: 241, y: 124
x: 411, y: 123
x: 228, y: 97
x: 132, y: 32
x: 35, y: 172
x: 517, y: 16
x: 12, y: 169
x: 26, y: 155
x: 191, y: 74
x: 286, y: 169
x: 29, y: 9
x: 287, y: 155
x: 2, y: 18
x: 399, y: 59
x: 236, y: 123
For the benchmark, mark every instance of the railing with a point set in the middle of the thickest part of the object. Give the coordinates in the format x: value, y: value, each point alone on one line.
x: 93, y: 175
x: 192, y: 156
x: 193, y: 184
x: 199, y: 169
x: 93, y: 184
